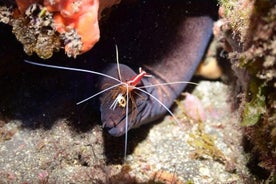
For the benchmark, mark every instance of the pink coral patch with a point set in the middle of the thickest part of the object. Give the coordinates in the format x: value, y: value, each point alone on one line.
x: 194, y: 108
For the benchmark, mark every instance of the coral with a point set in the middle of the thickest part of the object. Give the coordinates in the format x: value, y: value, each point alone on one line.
x: 237, y: 8
x: 34, y: 31
x: 72, y: 24
x: 23, y: 5
x: 165, y: 177
x: 7, y: 131
x: 81, y: 16
x: 204, y: 145
x: 250, y: 38
x: 5, y: 14
x: 192, y: 107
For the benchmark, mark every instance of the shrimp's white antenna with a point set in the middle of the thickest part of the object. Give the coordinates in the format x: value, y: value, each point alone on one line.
x: 72, y: 69
x: 117, y: 61
x: 168, y: 83
x: 111, y: 87
x: 126, y: 126
x: 163, y: 105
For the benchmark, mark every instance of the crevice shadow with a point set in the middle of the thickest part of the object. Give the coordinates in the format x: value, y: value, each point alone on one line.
x: 40, y: 96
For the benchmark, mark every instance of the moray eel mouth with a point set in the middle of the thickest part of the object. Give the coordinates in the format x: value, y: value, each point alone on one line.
x: 115, y: 121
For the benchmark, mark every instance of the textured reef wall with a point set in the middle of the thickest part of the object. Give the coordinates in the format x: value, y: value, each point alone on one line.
x: 43, y: 27
x: 247, y: 31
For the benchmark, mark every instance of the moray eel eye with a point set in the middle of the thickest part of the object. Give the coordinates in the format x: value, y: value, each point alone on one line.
x: 121, y: 100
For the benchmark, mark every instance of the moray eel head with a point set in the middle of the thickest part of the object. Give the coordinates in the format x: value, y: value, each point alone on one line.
x: 113, y: 114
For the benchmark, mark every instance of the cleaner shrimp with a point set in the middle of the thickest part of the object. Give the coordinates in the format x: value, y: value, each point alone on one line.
x: 122, y: 94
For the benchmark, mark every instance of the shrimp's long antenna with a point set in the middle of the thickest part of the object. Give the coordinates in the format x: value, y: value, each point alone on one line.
x: 117, y: 61
x: 111, y: 87
x: 163, y: 105
x: 168, y: 83
x: 72, y: 69
x: 126, y: 126
x: 120, y: 78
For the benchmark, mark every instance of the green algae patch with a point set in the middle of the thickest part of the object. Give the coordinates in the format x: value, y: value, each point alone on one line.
x: 250, y: 40
x: 254, y: 109
x: 204, y: 145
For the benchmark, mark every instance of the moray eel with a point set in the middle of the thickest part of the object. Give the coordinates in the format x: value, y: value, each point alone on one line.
x: 178, y: 64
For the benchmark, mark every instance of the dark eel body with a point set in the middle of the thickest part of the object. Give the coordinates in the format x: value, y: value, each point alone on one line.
x: 180, y: 54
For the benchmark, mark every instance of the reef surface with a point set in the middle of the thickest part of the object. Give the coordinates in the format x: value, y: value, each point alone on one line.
x: 46, y: 138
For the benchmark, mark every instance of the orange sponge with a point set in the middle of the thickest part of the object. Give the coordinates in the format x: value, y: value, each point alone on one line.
x: 81, y: 16
x: 75, y: 20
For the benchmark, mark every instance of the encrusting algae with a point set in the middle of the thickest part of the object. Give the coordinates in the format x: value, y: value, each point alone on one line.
x: 34, y: 31
x: 249, y: 37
